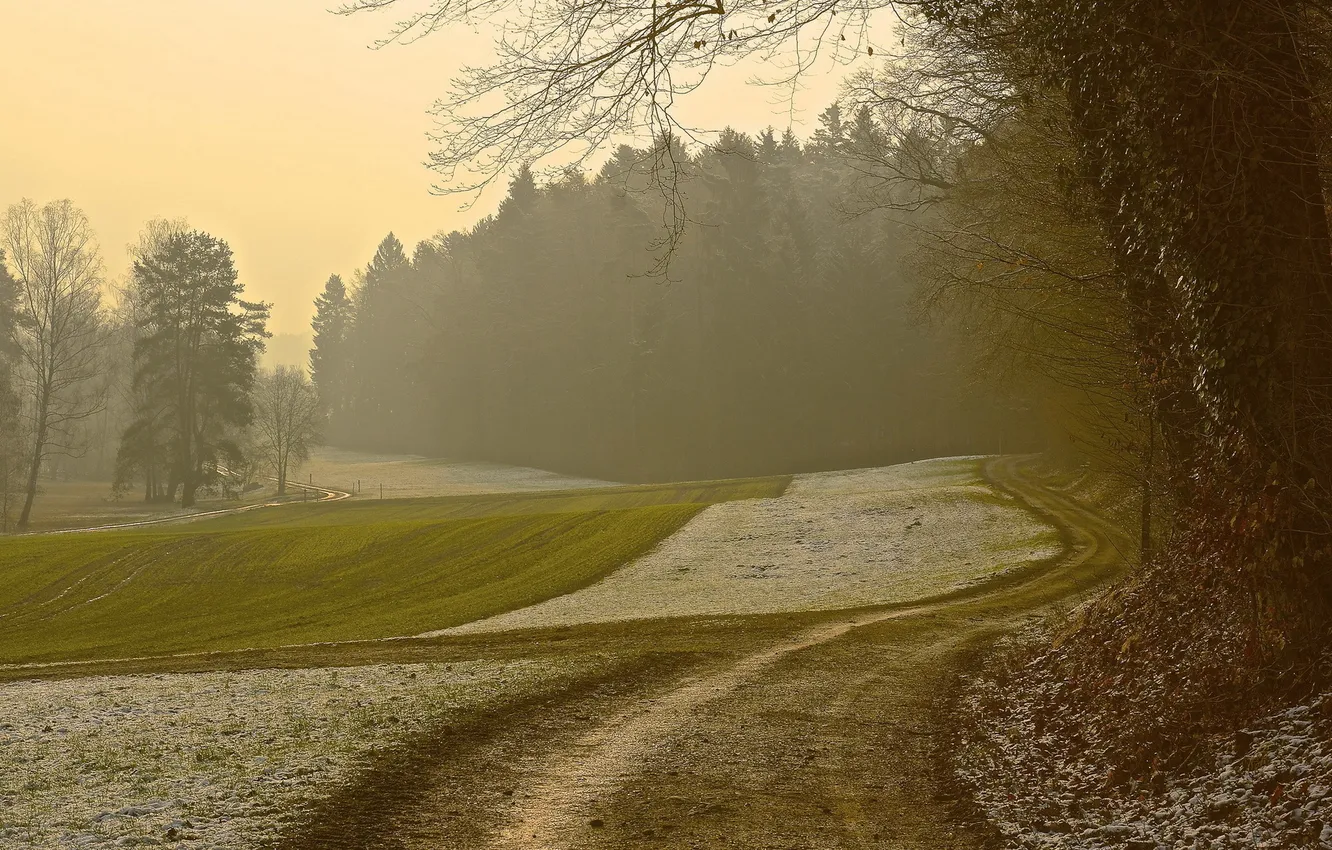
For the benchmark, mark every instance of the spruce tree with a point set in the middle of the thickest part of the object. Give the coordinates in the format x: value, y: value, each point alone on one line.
x: 197, y: 350
x: 789, y: 147
x: 767, y: 146
x: 864, y: 137
x: 329, y: 359
x: 831, y: 134
x: 376, y: 341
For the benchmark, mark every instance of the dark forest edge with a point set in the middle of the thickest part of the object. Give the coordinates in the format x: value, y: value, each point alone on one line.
x: 785, y: 338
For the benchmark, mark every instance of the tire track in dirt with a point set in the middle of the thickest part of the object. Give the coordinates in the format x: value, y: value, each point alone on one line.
x: 552, y: 809
x: 597, y: 761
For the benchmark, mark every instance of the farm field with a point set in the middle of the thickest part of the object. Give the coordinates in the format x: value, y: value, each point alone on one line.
x: 333, y: 571
x: 832, y: 540
x: 127, y: 593
x: 435, y: 509
x: 412, y: 476
x: 218, y: 759
x: 65, y: 504
x: 68, y: 504
x: 619, y: 642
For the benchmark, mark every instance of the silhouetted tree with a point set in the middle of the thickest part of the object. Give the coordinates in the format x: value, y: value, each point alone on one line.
x: 330, y: 360
x: 11, y: 434
x: 146, y: 451
x: 54, y: 260
x: 197, y: 349
x: 286, y: 420
x: 831, y: 133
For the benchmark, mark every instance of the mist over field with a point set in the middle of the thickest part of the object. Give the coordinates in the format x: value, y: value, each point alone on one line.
x: 597, y: 425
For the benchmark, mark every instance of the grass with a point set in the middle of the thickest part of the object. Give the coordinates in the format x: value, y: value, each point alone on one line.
x: 122, y: 594
x: 74, y: 504
x: 331, y: 572
x: 507, y: 504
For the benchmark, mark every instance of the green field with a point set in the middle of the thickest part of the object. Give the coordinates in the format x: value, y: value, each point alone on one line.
x: 508, y: 504
x: 330, y: 572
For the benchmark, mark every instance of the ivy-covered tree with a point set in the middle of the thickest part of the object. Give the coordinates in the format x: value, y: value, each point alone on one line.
x: 1196, y: 150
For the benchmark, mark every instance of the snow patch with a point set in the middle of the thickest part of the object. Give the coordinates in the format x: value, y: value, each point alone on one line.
x: 833, y: 540
x: 1270, y: 786
x: 212, y: 760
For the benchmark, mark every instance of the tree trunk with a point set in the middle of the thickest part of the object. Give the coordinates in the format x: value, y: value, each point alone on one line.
x: 36, y: 466
x: 189, y: 482
x: 1145, y: 547
x: 281, y: 466
x: 31, y: 492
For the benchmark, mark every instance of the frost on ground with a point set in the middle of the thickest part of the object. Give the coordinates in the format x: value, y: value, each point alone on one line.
x: 213, y: 760
x: 412, y: 476
x: 834, y: 540
x: 1268, y: 786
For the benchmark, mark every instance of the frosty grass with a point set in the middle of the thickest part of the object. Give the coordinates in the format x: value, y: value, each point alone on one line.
x: 834, y: 540
x: 211, y: 760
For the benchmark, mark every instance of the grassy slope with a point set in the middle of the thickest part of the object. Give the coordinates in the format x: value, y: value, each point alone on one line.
x: 508, y: 504
x: 340, y: 571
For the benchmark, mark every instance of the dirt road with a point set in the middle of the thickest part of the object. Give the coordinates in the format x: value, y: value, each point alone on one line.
x: 817, y: 731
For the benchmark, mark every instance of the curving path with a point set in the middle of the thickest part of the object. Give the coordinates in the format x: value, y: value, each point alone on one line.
x: 834, y: 734
x: 326, y: 495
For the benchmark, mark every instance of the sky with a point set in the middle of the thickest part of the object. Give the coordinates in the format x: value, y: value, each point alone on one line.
x: 269, y: 123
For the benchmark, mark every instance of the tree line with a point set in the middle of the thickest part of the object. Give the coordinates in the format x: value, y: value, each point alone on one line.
x: 782, y: 336
x: 154, y: 384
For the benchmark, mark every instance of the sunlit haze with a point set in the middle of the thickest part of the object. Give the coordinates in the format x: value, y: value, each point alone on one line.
x: 269, y: 124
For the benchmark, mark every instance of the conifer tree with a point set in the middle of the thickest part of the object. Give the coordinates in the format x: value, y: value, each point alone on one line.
x: 197, y: 350
x: 767, y: 146
x: 376, y: 342
x: 864, y: 138
x: 789, y: 147
x: 330, y: 359
x: 831, y: 133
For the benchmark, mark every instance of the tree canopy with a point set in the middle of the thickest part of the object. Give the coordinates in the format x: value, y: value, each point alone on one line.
x: 787, y: 340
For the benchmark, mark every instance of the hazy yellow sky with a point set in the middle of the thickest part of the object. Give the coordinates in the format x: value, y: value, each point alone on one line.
x: 265, y: 122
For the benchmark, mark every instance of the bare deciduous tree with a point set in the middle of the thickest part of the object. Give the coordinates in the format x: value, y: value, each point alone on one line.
x: 570, y: 77
x: 12, y: 438
x: 55, y: 262
x: 286, y: 419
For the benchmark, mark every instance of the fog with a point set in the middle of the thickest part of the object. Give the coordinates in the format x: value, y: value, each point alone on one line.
x: 594, y: 423
x: 273, y: 125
